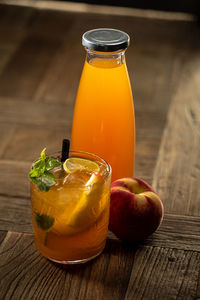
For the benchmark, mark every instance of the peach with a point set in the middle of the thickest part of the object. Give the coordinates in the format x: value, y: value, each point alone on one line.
x: 136, y: 210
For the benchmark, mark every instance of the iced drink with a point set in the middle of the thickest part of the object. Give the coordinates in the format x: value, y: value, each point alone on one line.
x: 70, y: 220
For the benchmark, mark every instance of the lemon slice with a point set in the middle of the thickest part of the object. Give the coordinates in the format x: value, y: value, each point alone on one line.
x: 74, y: 164
x: 88, y: 207
x: 86, y: 211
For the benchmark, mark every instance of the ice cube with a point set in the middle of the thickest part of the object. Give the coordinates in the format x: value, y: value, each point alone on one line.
x: 77, y: 179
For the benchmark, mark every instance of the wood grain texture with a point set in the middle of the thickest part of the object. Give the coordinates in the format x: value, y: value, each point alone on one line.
x: 27, y: 142
x: 45, y: 280
x: 14, y: 178
x: 179, y: 232
x: 42, y: 41
x: 2, y: 235
x: 41, y: 61
x: 6, y: 134
x: 33, y: 56
x: 13, y: 24
x: 58, y: 84
x: 12, y: 35
x: 177, y: 172
x: 161, y: 273
x: 121, y: 271
x: 15, y: 214
x: 42, y: 115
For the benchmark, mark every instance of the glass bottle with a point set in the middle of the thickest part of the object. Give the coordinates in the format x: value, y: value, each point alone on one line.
x: 103, y: 120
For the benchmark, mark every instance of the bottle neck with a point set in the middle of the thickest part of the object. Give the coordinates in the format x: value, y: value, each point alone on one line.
x: 105, y: 59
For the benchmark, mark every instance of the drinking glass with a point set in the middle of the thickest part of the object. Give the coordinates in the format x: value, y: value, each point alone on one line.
x: 70, y: 221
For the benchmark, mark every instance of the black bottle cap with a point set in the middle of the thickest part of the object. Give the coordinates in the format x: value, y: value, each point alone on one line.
x: 105, y: 40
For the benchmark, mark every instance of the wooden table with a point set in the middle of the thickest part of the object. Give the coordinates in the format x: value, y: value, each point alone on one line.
x: 40, y: 64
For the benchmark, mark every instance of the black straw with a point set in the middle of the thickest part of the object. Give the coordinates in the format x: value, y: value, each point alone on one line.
x: 65, y: 150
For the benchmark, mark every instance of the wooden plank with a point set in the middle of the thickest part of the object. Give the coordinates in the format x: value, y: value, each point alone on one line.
x: 50, y: 24
x: 161, y: 273
x: 176, y: 231
x: 157, y: 273
x: 12, y: 30
x: 27, y: 142
x: 5, y: 53
x: 15, y: 214
x: 27, y: 270
x: 154, y: 71
x: 153, y: 74
x: 31, y: 58
x: 6, y: 133
x: 57, y: 84
x: 41, y: 114
x: 44, y: 36
x: 149, y: 128
x: 2, y: 235
x: 13, y: 22
x: 192, y: 7
x: 176, y: 177
x: 14, y: 180
x: 198, y: 286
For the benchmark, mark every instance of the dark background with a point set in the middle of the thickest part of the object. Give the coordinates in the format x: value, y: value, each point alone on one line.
x: 190, y: 6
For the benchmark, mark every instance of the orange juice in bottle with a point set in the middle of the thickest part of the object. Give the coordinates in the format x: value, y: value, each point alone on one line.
x: 103, y: 121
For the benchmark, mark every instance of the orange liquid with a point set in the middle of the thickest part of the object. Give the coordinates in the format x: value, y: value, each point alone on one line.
x: 79, y: 246
x: 103, y: 121
x: 80, y: 216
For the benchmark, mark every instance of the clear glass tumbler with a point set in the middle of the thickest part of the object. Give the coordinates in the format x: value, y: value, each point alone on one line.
x: 70, y: 221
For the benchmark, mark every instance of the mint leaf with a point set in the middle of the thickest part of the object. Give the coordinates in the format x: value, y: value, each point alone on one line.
x: 38, y: 168
x: 43, y: 221
x: 40, y: 174
x: 45, y: 181
x: 39, y: 164
x: 43, y: 156
x: 51, y: 163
